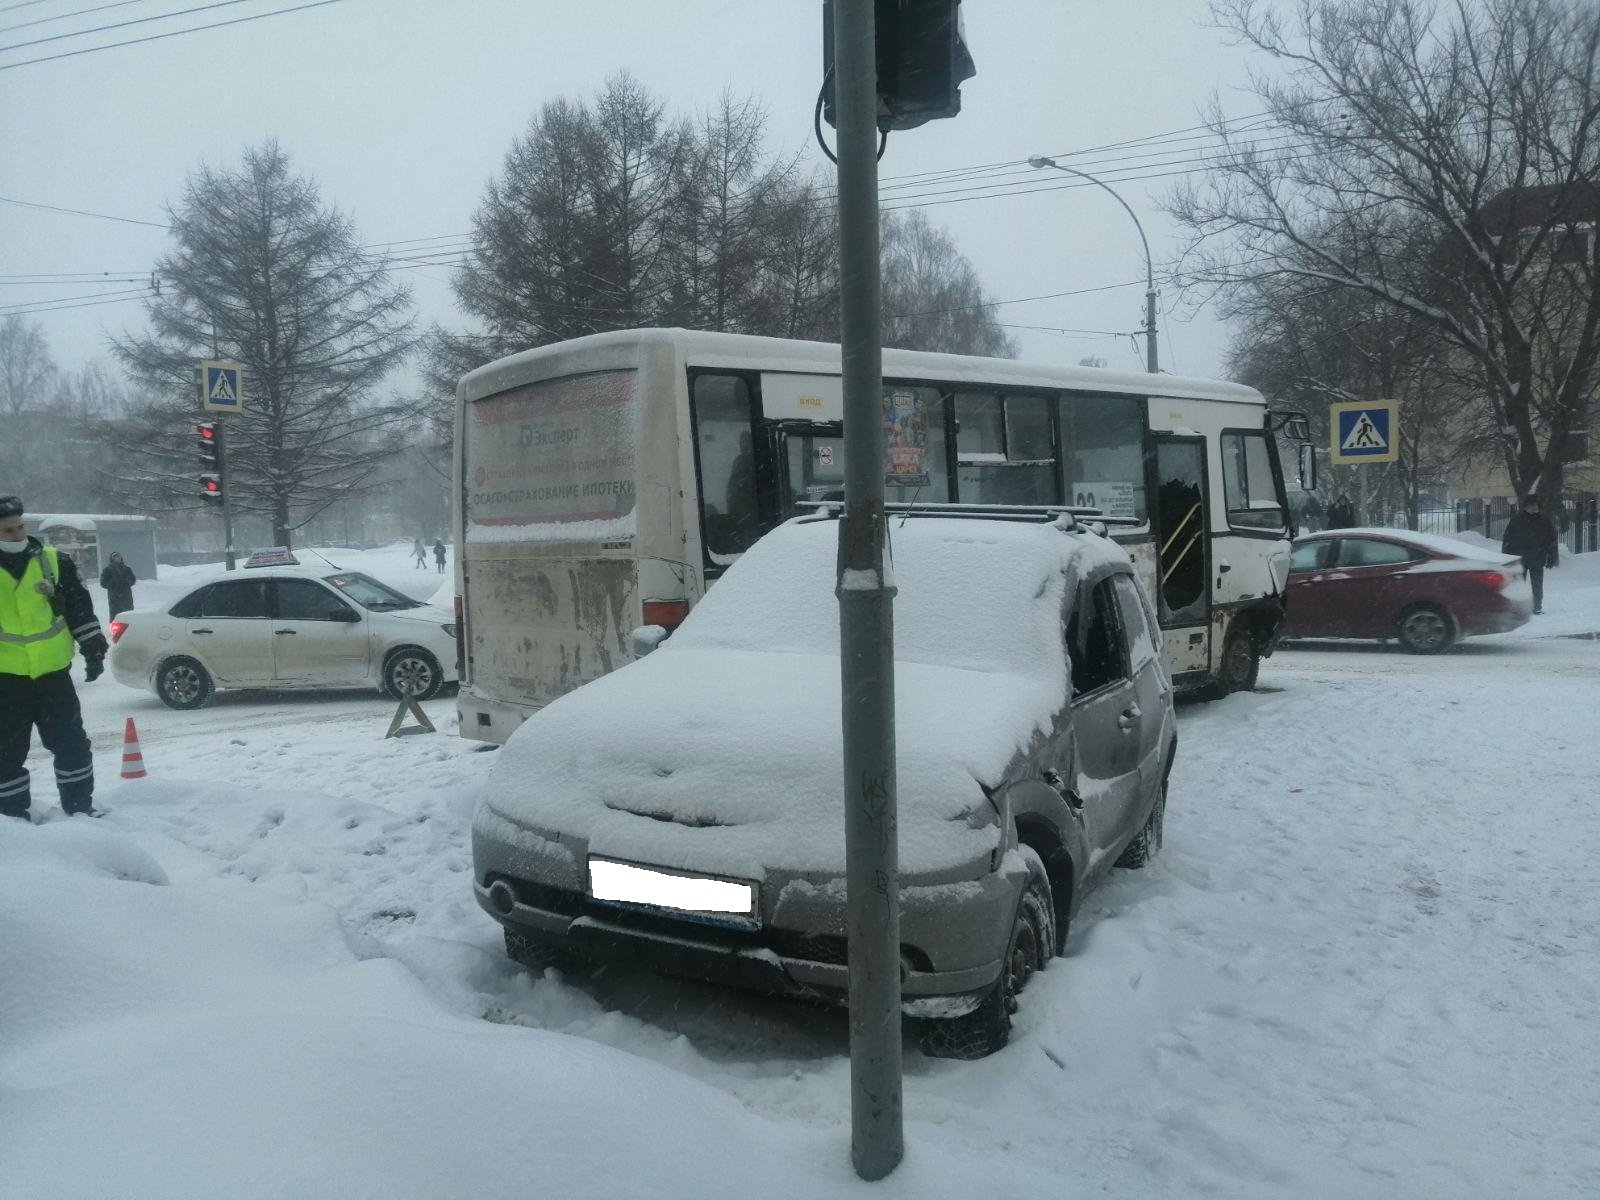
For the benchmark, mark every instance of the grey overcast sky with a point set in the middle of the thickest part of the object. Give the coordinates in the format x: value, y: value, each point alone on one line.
x: 403, y: 109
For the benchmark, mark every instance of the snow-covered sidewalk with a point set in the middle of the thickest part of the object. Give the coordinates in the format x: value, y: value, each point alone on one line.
x: 1364, y: 965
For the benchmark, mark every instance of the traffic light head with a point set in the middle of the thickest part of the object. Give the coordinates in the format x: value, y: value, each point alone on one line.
x: 210, y: 461
x: 922, y: 60
x: 206, y: 433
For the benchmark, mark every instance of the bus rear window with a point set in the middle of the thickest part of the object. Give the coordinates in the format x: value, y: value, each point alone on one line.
x: 554, y: 459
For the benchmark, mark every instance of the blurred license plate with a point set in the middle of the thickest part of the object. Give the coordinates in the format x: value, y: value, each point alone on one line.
x: 694, y: 895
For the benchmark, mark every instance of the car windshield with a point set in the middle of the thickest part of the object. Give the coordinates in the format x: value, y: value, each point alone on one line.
x: 369, y: 593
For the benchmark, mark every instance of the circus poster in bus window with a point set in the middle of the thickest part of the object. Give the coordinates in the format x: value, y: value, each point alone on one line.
x: 905, y: 435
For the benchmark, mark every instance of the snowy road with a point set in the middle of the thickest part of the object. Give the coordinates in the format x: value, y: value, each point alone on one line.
x: 1364, y: 965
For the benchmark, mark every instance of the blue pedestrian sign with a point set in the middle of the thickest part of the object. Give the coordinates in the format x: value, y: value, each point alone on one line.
x: 1365, y: 431
x: 221, y: 386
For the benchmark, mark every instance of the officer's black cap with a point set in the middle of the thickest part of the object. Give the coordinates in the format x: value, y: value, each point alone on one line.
x: 10, y: 506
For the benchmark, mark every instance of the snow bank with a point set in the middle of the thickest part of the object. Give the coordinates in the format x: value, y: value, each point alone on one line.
x: 185, y: 1043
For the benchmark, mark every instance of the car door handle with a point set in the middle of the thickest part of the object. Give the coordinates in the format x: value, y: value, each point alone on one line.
x: 283, y: 633
x: 1129, y: 718
x: 199, y: 631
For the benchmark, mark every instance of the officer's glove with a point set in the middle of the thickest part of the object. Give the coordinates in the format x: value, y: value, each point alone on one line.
x: 93, y: 668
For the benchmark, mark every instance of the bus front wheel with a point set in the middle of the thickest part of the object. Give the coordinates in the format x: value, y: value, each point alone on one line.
x: 1241, y: 665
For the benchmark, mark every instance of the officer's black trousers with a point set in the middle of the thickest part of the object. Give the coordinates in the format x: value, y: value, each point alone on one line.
x: 49, y: 704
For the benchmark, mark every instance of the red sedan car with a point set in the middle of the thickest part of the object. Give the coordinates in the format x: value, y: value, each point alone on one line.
x: 1422, y: 590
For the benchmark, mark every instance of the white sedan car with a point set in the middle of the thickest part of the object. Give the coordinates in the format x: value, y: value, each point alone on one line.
x: 285, y: 627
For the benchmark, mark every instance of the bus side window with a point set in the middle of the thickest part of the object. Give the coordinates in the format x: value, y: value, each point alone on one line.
x: 724, y: 448
x: 1102, y: 445
x: 1004, y: 449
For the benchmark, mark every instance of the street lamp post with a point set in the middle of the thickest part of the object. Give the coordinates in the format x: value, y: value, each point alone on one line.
x: 1151, y: 362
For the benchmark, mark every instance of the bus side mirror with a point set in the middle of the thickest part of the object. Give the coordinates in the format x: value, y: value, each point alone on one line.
x: 1308, y: 467
x: 646, y: 638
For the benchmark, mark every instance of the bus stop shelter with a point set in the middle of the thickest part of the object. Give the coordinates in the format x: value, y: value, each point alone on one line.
x: 91, y: 538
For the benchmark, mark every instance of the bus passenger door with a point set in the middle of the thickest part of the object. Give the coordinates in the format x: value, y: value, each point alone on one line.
x: 810, y: 465
x: 1177, y: 484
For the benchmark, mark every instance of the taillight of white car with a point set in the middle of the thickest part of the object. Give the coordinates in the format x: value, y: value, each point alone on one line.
x: 118, y: 628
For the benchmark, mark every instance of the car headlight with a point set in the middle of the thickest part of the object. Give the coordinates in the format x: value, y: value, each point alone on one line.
x: 450, y: 629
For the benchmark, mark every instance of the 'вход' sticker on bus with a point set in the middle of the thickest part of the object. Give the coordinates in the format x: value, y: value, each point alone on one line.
x: 559, y: 452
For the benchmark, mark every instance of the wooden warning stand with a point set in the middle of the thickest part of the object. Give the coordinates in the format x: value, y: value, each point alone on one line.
x: 398, y: 726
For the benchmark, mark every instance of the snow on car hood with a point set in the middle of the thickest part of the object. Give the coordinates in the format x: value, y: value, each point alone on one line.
x: 722, y: 751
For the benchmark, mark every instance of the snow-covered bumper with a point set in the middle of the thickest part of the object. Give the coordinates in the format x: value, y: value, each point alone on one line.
x: 952, y: 928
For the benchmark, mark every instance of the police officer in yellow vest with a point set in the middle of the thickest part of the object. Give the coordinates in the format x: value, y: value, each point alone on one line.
x: 44, y: 610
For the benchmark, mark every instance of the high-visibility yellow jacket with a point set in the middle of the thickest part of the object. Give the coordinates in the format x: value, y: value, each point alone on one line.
x: 34, y: 639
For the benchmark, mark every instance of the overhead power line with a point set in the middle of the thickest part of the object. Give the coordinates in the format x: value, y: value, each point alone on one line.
x: 156, y: 37
x: 82, y: 12
x: 182, y: 12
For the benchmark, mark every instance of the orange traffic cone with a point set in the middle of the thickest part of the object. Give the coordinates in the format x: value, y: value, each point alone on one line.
x: 132, y: 759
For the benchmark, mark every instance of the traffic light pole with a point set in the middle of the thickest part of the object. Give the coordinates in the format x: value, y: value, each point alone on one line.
x: 866, y: 624
x: 227, y: 501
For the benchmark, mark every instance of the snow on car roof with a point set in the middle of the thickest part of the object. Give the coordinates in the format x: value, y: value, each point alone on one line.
x: 729, y: 735
x: 1428, y: 541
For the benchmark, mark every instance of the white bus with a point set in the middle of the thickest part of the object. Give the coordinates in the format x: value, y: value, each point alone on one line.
x: 603, y: 483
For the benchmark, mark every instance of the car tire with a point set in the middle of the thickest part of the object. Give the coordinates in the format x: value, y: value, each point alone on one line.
x: 412, y: 671
x: 1426, y: 629
x: 1146, y: 843
x: 534, y: 952
x: 1029, y: 948
x: 182, y: 683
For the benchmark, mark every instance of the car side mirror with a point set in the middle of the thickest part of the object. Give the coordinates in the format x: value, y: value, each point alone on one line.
x: 1308, y: 467
x: 346, y: 615
x: 646, y: 638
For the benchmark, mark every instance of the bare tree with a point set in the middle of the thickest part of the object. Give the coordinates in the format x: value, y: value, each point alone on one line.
x: 1440, y: 159
x: 263, y: 273
x: 1313, y: 346
x: 932, y: 297
x: 27, y: 371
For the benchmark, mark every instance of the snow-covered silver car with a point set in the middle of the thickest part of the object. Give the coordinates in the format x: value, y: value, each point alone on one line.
x: 687, y: 809
x: 285, y: 627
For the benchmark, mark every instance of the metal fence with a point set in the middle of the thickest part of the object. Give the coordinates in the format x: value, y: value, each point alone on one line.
x: 1577, y: 519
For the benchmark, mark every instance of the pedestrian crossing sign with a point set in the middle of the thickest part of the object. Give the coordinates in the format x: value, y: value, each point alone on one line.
x: 1365, y: 431
x: 221, y: 386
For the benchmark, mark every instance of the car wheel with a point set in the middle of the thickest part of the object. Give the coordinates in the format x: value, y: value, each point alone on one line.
x: 183, y: 683
x: 410, y: 671
x: 1031, y: 945
x: 1147, y: 842
x: 1241, y: 665
x: 533, y: 951
x: 1426, y: 629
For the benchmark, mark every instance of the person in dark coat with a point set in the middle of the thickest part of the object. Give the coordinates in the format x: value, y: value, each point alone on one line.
x: 1531, y: 536
x: 118, y: 580
x: 1341, y: 513
x: 45, y: 615
x: 438, y: 554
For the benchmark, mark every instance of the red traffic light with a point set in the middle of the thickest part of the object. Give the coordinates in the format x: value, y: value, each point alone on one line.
x: 207, y: 431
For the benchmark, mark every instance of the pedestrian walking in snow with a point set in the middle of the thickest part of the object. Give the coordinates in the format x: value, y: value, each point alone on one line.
x: 1531, y: 536
x: 44, y: 611
x: 419, y: 553
x: 118, y: 580
x: 1341, y: 513
x: 438, y: 554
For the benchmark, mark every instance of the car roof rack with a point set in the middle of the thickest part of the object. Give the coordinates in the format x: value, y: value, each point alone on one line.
x: 1065, y: 516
